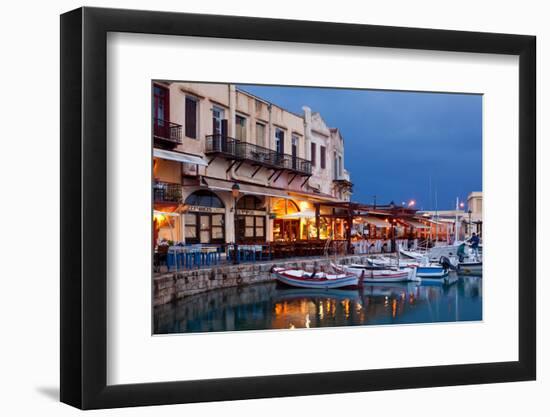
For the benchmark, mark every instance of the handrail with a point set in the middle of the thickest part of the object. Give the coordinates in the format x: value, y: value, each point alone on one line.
x: 167, y: 191
x: 258, y: 154
x: 166, y: 130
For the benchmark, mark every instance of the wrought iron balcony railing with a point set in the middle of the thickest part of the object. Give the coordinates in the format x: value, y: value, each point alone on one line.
x: 166, y: 192
x: 235, y: 149
x: 166, y: 134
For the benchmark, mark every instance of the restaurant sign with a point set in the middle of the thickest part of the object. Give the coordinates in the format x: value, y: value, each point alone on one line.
x: 202, y: 209
x: 242, y: 212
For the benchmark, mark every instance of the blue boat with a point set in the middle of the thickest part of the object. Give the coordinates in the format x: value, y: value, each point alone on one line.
x: 431, y: 271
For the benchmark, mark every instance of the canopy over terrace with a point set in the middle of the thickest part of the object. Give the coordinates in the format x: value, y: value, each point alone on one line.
x: 377, y: 215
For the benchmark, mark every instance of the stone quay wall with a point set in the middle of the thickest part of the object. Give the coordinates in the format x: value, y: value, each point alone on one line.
x: 173, y: 286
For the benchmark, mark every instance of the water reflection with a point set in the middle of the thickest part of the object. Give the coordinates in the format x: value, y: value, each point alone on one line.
x: 267, y: 306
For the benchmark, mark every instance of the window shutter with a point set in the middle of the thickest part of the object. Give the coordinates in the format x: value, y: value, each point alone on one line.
x: 190, y: 118
x: 224, y: 127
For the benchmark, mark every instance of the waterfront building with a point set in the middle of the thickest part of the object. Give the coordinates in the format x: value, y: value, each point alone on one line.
x: 443, y: 222
x: 475, y: 213
x: 229, y: 166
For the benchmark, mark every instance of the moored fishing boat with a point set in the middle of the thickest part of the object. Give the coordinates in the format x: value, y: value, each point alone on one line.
x: 392, y: 262
x: 303, y: 279
x: 424, y: 269
x: 377, y: 274
x: 433, y: 254
x: 431, y: 271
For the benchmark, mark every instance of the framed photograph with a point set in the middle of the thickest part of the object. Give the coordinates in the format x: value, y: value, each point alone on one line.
x: 258, y: 208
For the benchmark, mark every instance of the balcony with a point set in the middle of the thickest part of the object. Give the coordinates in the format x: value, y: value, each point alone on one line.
x: 166, y: 192
x: 231, y: 148
x: 167, y: 135
x: 343, y: 180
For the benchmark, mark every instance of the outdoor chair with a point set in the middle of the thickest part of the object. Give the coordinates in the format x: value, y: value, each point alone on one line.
x: 160, y: 258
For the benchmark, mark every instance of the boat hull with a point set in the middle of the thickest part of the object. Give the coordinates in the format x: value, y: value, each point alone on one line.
x: 431, y: 272
x: 382, y: 275
x: 470, y: 268
x: 313, y: 283
x: 427, y: 271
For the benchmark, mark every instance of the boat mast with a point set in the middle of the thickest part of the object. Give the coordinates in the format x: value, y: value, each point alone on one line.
x: 456, y: 222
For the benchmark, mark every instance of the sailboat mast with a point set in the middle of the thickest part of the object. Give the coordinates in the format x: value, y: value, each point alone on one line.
x: 456, y: 221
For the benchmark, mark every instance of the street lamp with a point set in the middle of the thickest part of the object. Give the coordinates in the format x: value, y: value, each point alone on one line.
x: 469, y: 222
x: 235, y: 191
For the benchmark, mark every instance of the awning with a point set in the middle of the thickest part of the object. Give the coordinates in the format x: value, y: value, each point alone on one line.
x: 179, y: 157
x: 222, y: 185
x: 306, y: 214
x: 166, y: 213
x: 375, y: 221
x: 416, y: 224
x: 314, y: 196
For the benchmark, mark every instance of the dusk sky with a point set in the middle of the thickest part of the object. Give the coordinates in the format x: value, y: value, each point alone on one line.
x: 396, y: 141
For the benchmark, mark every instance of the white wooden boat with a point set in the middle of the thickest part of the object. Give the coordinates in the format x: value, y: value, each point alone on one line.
x: 392, y: 262
x: 424, y: 269
x: 302, y: 279
x: 378, y: 274
x: 433, y: 254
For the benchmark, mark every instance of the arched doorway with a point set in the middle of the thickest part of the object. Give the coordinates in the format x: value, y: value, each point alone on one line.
x: 204, y: 218
x: 251, y: 219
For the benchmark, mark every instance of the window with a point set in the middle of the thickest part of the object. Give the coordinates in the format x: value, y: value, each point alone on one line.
x: 323, y: 157
x: 190, y: 226
x: 161, y: 104
x: 191, y: 107
x: 340, y: 166
x: 217, y: 227
x: 205, y: 228
x: 279, y: 141
x: 294, y: 151
x: 161, y: 111
x: 313, y: 154
x: 240, y: 128
x: 260, y: 134
x: 295, y: 142
x: 250, y: 202
x: 217, y: 118
x: 204, y: 198
x: 250, y: 226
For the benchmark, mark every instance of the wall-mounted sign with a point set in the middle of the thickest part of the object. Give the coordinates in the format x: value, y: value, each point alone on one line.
x: 243, y: 212
x: 202, y: 209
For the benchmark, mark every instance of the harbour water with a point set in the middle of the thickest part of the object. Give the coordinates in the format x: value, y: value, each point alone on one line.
x: 268, y: 306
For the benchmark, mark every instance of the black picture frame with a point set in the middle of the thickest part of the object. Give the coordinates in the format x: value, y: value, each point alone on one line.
x: 84, y: 207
